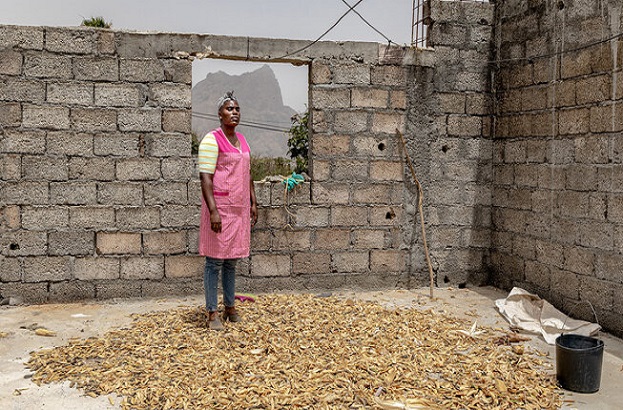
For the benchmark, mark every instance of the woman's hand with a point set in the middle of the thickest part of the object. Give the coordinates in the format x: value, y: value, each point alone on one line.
x: 215, y: 221
x: 253, y: 214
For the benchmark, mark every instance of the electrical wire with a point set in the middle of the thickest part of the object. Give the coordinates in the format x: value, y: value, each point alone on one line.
x: 350, y: 8
x: 266, y: 127
x: 558, y: 53
x: 370, y: 25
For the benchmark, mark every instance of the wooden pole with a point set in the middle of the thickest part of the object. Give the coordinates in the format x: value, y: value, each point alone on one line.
x: 420, y: 210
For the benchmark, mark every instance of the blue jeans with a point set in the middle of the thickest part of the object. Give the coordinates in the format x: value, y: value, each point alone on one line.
x: 210, y: 282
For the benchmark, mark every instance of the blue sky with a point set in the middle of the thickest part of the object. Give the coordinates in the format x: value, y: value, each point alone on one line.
x: 288, y: 19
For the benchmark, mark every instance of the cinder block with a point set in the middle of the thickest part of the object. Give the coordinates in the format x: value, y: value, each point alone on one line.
x: 44, y: 65
x: 24, y: 193
x: 56, y: 118
x: 194, y: 192
x: 351, y: 74
x: 10, y: 114
x: 10, y: 269
x: 261, y: 240
x: 141, y: 70
x: 184, y: 266
x: 178, y: 71
x: 464, y: 126
x: 10, y: 217
x: 349, y: 216
x: 306, y: 263
x: 91, y: 168
x: 267, y: 265
x: 69, y: 143
x: 168, y: 145
x: 22, y: 90
x: 330, y: 145
x: 119, y: 95
x: 70, y: 93
x: 380, y: 193
x: 120, y: 193
x: 23, y: 37
x: 73, y: 193
x: 331, y: 238
x: 350, y: 122
x: 96, y: 268
x: 34, y: 293
x: 93, y: 119
x: 389, y: 75
x: 176, y: 216
x: 113, y: 289
x: 387, y: 215
x: 117, y: 144
x: 118, y: 243
x: 388, y: 122
x: 579, y: 260
x: 373, y: 146
x: 100, y: 68
x: 307, y: 216
x: 387, y: 260
x: 140, y: 119
x: 330, y: 98
x: 10, y: 62
x: 176, y: 120
x: 166, y: 193
x: 320, y: 73
x: 167, y: 242
x: 92, y: 217
x: 71, y: 291
x: 142, y: 267
x: 106, y: 42
x: 330, y: 194
x: 42, y: 168
x: 70, y: 40
x: 44, y: 218
x: 350, y: 170
x: 351, y: 262
x: 386, y: 170
x: 574, y: 121
x: 320, y: 170
x: 178, y: 169
x: 398, y: 100
x: 137, y: 218
x: 24, y: 243
x: 170, y: 95
x: 11, y: 167
x: 72, y: 243
x: 288, y: 240
x: 369, y: 98
x: 47, y: 268
x: 138, y: 169
x: 369, y: 239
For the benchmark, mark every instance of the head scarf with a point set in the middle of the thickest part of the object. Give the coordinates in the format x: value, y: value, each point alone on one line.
x: 229, y: 96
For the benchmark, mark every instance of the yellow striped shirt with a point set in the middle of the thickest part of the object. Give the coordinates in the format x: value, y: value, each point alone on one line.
x: 208, y: 153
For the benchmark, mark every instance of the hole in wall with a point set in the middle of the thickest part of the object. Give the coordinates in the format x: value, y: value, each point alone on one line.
x: 462, y: 285
x: 14, y: 246
x: 561, y: 5
x: 270, y: 96
x: 445, y: 148
x: 446, y: 279
x: 382, y: 146
x: 390, y: 214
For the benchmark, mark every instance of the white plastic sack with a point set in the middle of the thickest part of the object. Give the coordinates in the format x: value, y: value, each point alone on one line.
x: 535, y: 315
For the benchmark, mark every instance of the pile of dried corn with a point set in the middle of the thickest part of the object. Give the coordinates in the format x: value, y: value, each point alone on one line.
x: 304, y: 352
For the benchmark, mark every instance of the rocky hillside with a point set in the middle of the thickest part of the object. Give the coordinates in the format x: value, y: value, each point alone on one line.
x: 259, y: 96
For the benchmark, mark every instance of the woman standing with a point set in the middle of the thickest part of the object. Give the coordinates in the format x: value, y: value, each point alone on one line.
x: 228, y: 208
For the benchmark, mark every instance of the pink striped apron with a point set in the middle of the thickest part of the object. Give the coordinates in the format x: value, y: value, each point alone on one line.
x: 231, y: 194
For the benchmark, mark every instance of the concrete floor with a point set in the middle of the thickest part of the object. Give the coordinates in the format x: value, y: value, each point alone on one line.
x: 95, y: 318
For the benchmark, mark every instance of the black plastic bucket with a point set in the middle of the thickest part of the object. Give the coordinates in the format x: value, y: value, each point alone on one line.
x: 578, y: 362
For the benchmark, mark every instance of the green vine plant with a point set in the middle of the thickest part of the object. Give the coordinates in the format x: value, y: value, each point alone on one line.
x: 298, y: 143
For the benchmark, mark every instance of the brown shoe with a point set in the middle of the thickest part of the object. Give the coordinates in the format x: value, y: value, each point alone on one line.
x: 230, y: 314
x: 214, y: 322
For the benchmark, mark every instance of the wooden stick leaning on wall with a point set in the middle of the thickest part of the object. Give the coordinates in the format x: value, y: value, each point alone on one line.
x: 420, y: 211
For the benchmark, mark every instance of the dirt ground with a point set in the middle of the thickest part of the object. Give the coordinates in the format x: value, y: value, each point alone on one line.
x: 82, y: 320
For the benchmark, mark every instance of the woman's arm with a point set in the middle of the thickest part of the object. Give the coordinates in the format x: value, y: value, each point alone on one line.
x: 207, y: 190
x: 253, y: 202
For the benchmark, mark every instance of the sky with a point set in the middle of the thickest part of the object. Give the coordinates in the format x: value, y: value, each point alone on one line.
x: 285, y: 19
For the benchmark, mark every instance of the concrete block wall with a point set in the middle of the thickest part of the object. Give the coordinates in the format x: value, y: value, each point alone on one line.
x: 557, y: 163
x: 99, y: 195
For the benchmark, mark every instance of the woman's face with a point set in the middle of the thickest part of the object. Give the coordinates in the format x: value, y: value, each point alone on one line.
x: 230, y: 113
